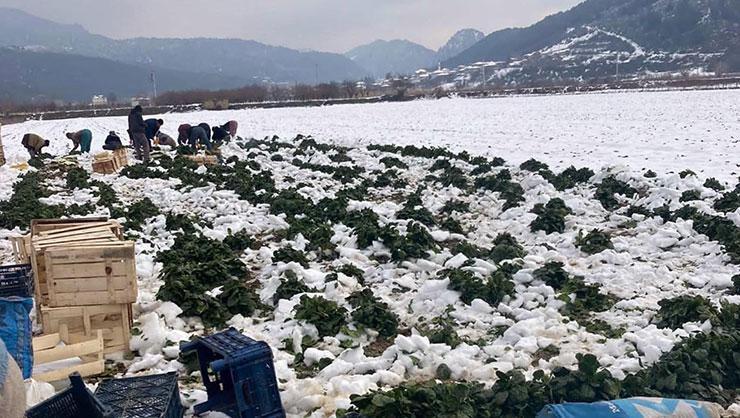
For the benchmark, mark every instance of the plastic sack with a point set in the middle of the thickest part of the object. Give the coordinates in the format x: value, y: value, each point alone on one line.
x: 634, y: 408
x: 15, y: 331
x: 37, y: 392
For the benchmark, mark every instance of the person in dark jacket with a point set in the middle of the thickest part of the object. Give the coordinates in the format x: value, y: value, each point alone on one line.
x: 137, y: 130
x: 34, y: 144
x: 198, y: 134
x: 81, y: 139
x: 112, y: 142
x: 220, y: 134
x: 206, y: 127
x: 193, y: 135
x: 152, y: 128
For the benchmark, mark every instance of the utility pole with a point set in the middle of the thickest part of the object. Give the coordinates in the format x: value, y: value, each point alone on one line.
x: 317, y: 74
x: 619, y: 58
x: 153, y: 79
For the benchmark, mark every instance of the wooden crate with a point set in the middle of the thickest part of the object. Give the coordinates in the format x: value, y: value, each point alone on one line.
x: 21, y: 248
x: 91, y: 275
x: 89, y: 350
x: 83, y: 321
x: 105, y: 166
x: 44, y: 225
x: 95, y: 234
x: 120, y: 157
x: 203, y: 159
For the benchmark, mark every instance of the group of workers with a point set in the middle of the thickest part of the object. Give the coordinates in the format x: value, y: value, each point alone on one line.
x: 143, y: 134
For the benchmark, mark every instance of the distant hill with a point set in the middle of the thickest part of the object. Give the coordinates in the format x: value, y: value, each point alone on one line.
x: 397, y: 56
x: 459, y: 42
x: 237, y: 62
x: 400, y: 56
x: 650, y: 35
x: 46, y: 76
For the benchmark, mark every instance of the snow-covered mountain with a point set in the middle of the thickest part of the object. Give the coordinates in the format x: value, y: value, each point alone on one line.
x: 397, y: 56
x: 459, y: 42
x: 400, y: 56
x: 599, y: 39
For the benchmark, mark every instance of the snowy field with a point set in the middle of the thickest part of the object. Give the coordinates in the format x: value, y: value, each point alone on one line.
x: 471, y: 267
x: 666, y: 131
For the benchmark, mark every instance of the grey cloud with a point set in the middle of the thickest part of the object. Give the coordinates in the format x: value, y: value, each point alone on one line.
x: 324, y: 25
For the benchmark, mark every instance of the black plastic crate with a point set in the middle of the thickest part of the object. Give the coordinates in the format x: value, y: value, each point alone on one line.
x: 74, y: 402
x: 155, y: 396
x: 239, y: 375
x: 16, y: 280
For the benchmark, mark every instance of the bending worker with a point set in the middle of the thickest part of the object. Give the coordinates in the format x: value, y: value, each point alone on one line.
x: 34, y: 144
x: 194, y: 134
x: 82, y: 139
x: 152, y: 128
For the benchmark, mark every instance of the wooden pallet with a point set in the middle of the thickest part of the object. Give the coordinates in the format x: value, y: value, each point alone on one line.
x: 83, y: 321
x: 47, y: 349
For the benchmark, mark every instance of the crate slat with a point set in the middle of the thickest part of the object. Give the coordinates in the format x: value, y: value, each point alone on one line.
x: 113, y: 321
x: 89, y: 350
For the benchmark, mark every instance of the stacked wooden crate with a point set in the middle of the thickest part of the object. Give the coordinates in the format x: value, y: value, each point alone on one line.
x: 85, y: 276
x: 110, y: 162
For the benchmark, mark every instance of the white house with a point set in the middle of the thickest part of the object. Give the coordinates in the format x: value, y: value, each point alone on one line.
x: 99, y: 100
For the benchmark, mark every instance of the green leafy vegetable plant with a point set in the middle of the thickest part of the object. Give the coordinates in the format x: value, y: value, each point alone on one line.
x: 594, y: 242
x: 551, y: 217
x: 325, y: 315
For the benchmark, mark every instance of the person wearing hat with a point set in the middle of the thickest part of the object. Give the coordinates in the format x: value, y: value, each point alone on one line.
x: 82, y: 139
x: 34, y: 144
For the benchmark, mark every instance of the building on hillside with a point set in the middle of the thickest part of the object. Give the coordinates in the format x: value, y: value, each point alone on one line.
x: 99, y: 100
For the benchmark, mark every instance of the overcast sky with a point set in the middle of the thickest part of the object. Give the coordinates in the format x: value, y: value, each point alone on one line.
x: 324, y: 25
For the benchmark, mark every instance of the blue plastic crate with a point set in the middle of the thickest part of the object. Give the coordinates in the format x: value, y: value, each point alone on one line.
x: 155, y: 396
x: 16, y: 280
x: 242, y: 383
x: 74, y: 402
